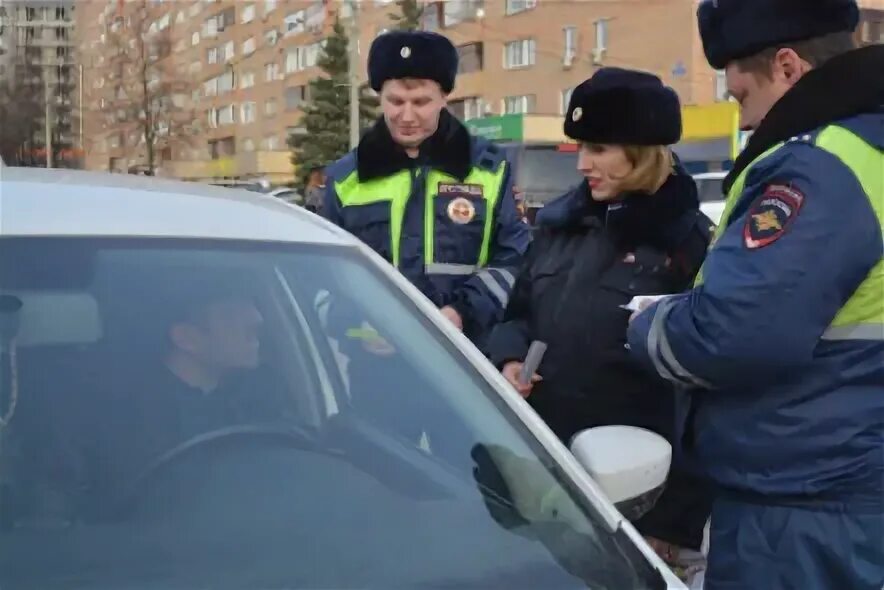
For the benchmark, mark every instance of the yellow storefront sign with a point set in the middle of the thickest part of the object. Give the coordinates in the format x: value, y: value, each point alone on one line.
x: 700, y: 123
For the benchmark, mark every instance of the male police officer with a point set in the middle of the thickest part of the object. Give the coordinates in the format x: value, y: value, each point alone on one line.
x: 781, y: 343
x: 432, y: 200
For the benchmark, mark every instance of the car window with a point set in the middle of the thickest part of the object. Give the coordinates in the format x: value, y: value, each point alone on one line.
x: 185, y: 413
x: 710, y: 189
x: 544, y: 173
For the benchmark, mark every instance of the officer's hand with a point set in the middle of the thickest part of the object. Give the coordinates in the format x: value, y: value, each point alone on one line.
x: 642, y: 306
x: 511, y: 372
x: 453, y: 317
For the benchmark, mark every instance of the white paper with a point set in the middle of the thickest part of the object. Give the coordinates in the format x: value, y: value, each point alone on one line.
x: 640, y: 300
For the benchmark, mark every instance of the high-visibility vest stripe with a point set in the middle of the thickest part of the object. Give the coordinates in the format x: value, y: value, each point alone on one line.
x: 862, y: 317
x: 396, y: 190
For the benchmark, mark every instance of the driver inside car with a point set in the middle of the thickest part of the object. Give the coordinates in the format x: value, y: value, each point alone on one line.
x: 209, y: 377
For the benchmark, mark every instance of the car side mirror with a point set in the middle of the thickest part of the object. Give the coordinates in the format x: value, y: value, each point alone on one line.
x: 630, y: 464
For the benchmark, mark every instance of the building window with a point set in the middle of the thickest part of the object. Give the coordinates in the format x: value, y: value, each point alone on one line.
x: 247, y: 80
x: 248, y: 145
x: 458, y: 11
x: 269, y: 6
x: 271, y: 72
x: 471, y: 107
x: 316, y: 15
x: 248, y: 13
x: 295, y: 96
x: 248, y: 46
x: 270, y: 107
x: 301, y: 58
x: 271, y: 37
x: 522, y: 104
x: 210, y: 27
x: 470, y: 58
x: 226, y: 18
x: 212, y: 55
x: 226, y: 82
x: 295, y: 23
x: 210, y: 87
x: 227, y: 115
x: 519, y: 54
x: 431, y: 16
x: 270, y: 143
x: 195, y: 38
x: 228, y: 51
x: 570, y: 53
x: 222, y: 148
x: 516, y: 6
x: 566, y: 100
x: 601, y: 40
x: 248, y: 112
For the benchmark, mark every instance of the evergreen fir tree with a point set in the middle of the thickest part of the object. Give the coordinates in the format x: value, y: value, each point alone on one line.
x: 326, y: 118
x: 410, y: 15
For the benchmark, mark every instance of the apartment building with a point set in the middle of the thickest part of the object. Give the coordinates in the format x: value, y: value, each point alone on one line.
x: 37, y: 63
x: 247, y: 65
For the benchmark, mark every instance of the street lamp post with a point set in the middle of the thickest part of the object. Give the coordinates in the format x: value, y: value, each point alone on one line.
x: 353, y: 71
x: 47, y: 99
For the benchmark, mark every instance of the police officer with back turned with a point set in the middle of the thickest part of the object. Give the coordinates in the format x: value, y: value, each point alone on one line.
x: 780, y: 345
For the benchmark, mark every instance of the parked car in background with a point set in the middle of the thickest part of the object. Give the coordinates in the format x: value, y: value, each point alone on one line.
x: 709, y: 187
x: 287, y: 194
x: 319, y: 492
x: 542, y: 171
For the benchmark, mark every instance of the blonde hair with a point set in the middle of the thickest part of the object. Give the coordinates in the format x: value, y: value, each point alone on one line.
x: 651, y: 166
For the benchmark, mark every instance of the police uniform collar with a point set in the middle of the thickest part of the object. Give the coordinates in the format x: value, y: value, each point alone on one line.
x: 842, y: 87
x: 448, y: 150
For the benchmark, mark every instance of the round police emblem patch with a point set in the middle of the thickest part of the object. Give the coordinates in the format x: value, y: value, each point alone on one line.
x: 577, y: 114
x: 771, y: 214
x: 405, y: 52
x: 461, y: 211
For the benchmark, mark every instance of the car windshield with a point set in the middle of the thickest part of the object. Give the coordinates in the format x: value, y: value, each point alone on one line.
x: 202, y: 414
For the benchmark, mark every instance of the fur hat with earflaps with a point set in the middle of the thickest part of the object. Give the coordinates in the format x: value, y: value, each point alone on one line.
x: 625, y: 107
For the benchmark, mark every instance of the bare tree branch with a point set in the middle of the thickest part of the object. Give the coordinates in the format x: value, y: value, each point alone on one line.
x: 152, y: 90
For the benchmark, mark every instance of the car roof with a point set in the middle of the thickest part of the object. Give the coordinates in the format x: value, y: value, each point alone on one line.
x: 710, y: 175
x: 56, y: 202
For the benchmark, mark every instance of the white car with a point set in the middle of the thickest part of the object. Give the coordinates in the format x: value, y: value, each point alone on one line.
x: 289, y: 195
x: 709, y: 187
x: 207, y: 388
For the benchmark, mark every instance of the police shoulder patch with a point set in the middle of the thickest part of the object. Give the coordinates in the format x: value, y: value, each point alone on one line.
x: 771, y: 214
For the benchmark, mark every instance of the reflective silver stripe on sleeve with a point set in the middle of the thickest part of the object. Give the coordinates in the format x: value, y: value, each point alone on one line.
x: 494, y: 287
x: 506, y: 275
x: 439, y: 268
x: 855, y: 332
x: 658, y: 341
x: 653, y: 337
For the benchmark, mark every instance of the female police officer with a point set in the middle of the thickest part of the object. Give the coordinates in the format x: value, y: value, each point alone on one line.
x: 632, y: 227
